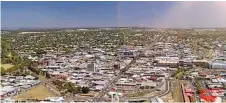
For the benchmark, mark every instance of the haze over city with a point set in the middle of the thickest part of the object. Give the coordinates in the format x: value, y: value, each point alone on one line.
x: 112, y: 14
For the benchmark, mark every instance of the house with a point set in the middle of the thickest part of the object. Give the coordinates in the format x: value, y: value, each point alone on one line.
x: 52, y: 67
x: 8, y: 91
x: 60, y: 76
x: 102, y: 83
x: 203, y: 74
x: 7, y: 100
x: 98, y: 88
x: 29, y: 77
x: 208, y: 77
x: 55, y: 99
x: 219, y: 80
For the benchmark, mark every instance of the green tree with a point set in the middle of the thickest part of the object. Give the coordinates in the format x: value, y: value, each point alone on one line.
x: 58, y: 83
x: 85, y: 90
x: 3, y: 71
x: 71, y: 87
x: 48, y: 75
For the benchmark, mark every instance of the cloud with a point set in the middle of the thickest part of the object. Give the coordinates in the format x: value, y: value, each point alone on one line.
x: 193, y: 14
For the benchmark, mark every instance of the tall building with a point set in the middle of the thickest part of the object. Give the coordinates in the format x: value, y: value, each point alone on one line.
x: 91, y: 67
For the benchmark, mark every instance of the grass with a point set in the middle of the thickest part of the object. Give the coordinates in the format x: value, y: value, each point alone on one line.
x: 41, y: 77
x: 138, y: 94
x: 6, y: 66
x: 179, y: 75
x: 39, y: 92
x: 147, y: 101
x: 177, y: 92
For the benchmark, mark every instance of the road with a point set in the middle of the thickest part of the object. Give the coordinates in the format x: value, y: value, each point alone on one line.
x: 114, y: 80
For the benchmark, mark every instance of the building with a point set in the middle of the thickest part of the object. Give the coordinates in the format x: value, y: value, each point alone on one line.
x: 55, y: 99
x: 91, y: 67
x: 202, y: 63
x: 126, y: 85
x: 156, y: 100
x: 167, y: 61
x: 128, y: 53
x: 148, y: 84
x: 8, y: 91
x: 187, y: 62
x: 218, y: 63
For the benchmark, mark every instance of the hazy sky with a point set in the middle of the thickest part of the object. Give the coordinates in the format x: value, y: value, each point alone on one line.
x: 106, y: 14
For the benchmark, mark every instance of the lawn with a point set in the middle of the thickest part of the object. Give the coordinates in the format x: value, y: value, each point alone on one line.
x: 177, y: 92
x: 6, y: 66
x: 179, y: 75
x: 39, y: 92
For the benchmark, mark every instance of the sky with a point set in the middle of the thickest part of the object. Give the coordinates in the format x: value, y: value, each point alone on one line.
x: 43, y: 14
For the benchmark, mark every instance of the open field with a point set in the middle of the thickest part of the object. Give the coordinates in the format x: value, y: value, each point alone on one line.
x: 177, y: 92
x: 6, y: 66
x: 40, y: 92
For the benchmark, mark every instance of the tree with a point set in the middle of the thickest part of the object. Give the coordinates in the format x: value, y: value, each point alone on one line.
x: 3, y: 71
x: 16, y: 73
x: 32, y: 65
x: 48, y: 75
x: 79, y: 89
x: 40, y: 52
x: 58, y: 83
x: 71, y: 87
x: 85, y: 90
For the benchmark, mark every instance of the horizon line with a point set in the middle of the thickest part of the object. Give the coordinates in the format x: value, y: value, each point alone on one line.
x: 52, y: 28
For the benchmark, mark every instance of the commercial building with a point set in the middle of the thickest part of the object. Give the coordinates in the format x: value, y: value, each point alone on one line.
x: 218, y: 63
x: 167, y: 61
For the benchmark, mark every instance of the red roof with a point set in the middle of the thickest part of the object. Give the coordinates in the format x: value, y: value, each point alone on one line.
x: 207, y: 96
x: 61, y: 76
x: 153, y: 78
x: 202, y: 74
x: 139, y: 80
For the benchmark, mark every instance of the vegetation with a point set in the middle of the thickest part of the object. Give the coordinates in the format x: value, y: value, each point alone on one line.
x: 6, y: 66
x: 177, y: 92
x: 9, y: 57
x: 85, y: 89
x: 3, y: 71
x: 197, y: 85
x: 70, y: 87
x: 39, y: 92
x: 179, y: 73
